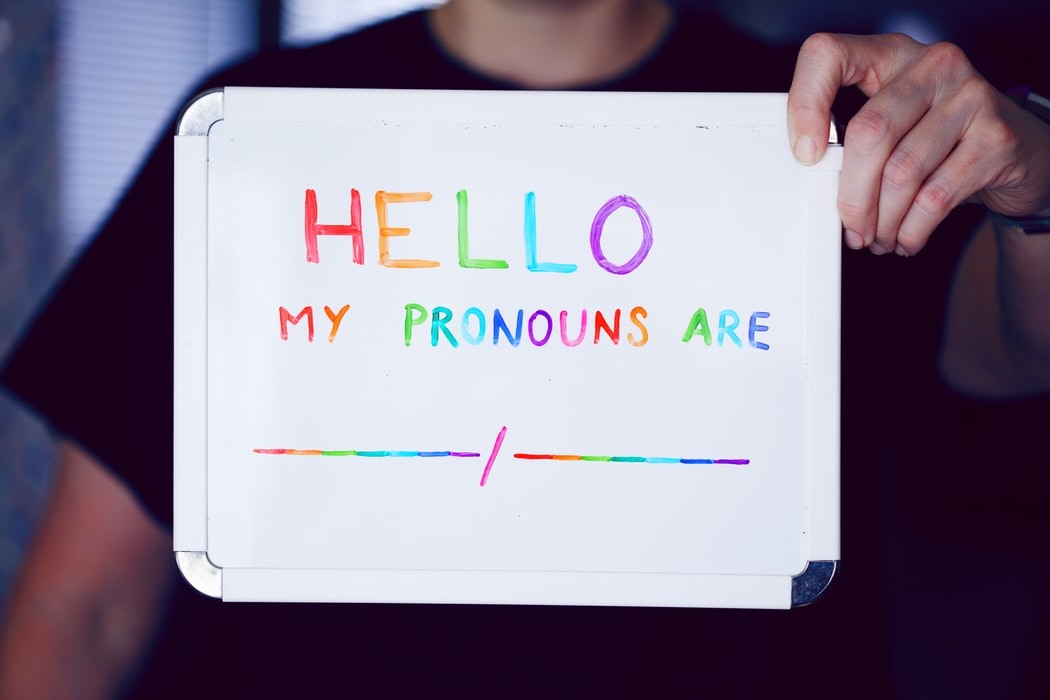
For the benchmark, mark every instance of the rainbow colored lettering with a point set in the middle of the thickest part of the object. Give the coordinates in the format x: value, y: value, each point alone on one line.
x: 383, y: 200
x: 476, y: 325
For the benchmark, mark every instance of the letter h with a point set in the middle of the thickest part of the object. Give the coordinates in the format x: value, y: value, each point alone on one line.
x: 314, y: 229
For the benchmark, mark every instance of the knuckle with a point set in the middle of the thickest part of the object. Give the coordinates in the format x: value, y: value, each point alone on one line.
x: 822, y: 45
x: 854, y: 215
x: 946, y: 58
x: 802, y: 105
x: 910, y: 241
x: 1000, y: 138
x: 869, y: 127
x: 904, y: 169
x: 904, y: 41
x: 977, y: 95
x: 935, y: 200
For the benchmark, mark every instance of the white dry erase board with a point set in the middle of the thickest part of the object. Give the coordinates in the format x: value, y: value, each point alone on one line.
x: 504, y: 347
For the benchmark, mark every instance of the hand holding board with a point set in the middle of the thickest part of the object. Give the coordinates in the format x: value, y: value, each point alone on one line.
x: 571, y: 348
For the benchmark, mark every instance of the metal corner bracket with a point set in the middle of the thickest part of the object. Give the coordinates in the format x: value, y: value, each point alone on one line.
x: 200, y: 114
x: 809, y: 585
x: 198, y: 570
x: 833, y: 133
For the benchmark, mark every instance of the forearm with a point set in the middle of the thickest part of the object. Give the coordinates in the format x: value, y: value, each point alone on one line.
x: 90, y: 591
x: 1024, y: 302
x: 50, y: 651
x: 997, y: 336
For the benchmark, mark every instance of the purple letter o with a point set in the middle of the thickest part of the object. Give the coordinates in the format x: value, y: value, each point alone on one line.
x: 599, y: 223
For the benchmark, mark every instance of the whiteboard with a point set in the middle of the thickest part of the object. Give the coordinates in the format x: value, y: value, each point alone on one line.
x: 504, y: 347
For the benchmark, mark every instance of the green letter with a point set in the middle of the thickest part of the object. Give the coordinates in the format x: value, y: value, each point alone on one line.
x: 698, y: 326
x: 464, y: 241
x: 414, y: 315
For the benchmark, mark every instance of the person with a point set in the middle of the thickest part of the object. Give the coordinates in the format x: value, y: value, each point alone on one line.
x: 95, y: 611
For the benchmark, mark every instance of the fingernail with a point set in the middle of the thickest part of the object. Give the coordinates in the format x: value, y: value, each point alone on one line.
x: 854, y: 240
x: 877, y: 249
x: 900, y: 251
x: 805, y: 150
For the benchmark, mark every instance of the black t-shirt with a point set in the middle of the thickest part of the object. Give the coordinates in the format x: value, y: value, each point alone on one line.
x: 104, y: 324
x: 97, y: 365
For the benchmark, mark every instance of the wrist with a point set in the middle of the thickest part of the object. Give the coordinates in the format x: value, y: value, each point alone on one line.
x: 1025, y: 224
x: 1039, y: 222
x: 1037, y: 105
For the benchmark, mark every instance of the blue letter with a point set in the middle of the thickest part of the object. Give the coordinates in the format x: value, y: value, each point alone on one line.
x: 530, y: 242
x: 753, y: 328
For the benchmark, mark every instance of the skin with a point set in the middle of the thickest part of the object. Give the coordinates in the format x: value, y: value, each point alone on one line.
x: 934, y: 134
x: 548, y: 44
x: 89, y: 592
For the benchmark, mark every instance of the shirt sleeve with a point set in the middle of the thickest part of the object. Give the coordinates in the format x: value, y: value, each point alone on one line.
x: 97, y: 361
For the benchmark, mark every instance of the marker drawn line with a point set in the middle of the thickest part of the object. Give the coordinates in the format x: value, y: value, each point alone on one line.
x: 363, y: 453
x: 646, y: 460
x: 492, y: 457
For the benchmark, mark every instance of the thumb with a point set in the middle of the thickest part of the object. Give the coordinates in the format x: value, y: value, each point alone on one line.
x: 819, y: 73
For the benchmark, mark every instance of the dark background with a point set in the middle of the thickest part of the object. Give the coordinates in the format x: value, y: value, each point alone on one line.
x: 1007, y: 42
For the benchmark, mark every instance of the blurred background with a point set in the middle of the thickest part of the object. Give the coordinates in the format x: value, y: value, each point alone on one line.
x: 85, y: 86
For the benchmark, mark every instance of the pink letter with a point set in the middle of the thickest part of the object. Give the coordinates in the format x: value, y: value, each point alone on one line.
x: 286, y: 318
x: 314, y: 229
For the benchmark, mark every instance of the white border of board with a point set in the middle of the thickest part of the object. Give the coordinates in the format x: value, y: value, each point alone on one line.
x: 556, y: 588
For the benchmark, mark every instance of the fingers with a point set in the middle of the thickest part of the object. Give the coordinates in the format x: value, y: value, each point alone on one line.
x: 827, y: 62
x: 986, y: 151
x: 896, y: 148
x: 917, y: 149
x: 881, y: 169
x: 818, y: 76
x: 942, y: 192
x: 933, y: 169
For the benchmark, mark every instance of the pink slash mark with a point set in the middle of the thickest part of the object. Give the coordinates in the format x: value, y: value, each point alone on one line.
x: 492, y: 457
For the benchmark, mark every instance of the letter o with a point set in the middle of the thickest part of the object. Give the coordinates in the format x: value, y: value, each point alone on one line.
x: 471, y: 338
x: 599, y: 224
x: 550, y: 328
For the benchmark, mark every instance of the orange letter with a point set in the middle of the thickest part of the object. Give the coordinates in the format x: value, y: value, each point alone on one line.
x: 636, y: 312
x: 385, y: 232
x: 286, y: 318
x: 336, y: 319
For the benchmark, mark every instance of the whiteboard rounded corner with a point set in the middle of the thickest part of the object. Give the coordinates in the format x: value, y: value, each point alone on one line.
x: 810, y: 585
x: 200, y: 573
x: 276, y: 121
x: 200, y: 114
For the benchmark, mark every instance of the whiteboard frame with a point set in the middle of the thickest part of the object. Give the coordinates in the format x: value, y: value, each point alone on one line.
x: 190, y: 536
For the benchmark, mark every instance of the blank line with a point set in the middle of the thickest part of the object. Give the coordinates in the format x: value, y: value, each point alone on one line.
x: 362, y: 453
x: 630, y: 458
